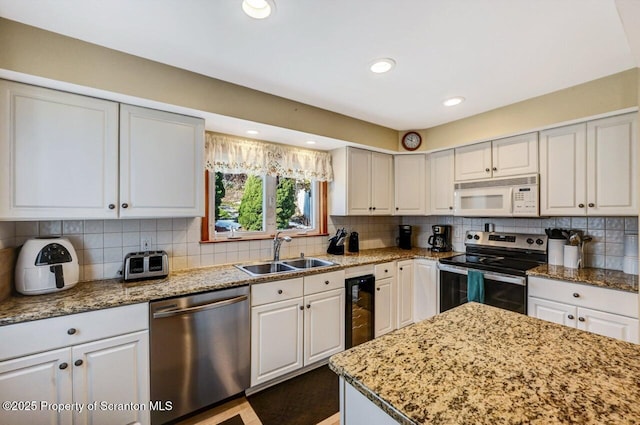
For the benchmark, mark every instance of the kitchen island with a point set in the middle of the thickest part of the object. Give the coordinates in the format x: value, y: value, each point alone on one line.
x: 477, y: 364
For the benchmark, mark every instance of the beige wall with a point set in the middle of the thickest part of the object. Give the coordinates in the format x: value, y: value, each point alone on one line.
x: 606, y: 94
x: 34, y: 51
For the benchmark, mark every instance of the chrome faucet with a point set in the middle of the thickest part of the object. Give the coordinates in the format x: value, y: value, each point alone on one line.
x: 277, y: 241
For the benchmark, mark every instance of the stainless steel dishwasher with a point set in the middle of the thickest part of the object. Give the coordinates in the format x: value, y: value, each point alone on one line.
x: 200, y: 350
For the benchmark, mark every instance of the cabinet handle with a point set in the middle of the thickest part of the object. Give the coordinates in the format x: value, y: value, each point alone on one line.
x: 570, y: 316
x: 125, y: 205
x: 279, y: 291
x: 576, y: 295
x: 326, y: 282
x: 581, y: 319
x: 301, y: 307
x: 487, y: 169
x: 78, y: 362
x: 450, y: 208
x: 386, y: 271
x: 397, y: 208
x: 377, y: 289
x: 72, y: 331
x: 495, y: 168
x: 308, y: 305
x: 63, y: 366
x: 112, y: 206
x: 591, y: 205
x: 369, y: 208
x: 400, y: 268
x: 580, y: 205
x: 374, y: 208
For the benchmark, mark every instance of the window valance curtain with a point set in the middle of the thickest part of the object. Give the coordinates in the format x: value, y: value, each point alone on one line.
x: 228, y: 154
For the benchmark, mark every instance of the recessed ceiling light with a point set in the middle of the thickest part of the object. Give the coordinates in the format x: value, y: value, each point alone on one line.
x: 252, y: 131
x: 453, y: 101
x: 311, y: 142
x: 383, y: 65
x: 258, y: 9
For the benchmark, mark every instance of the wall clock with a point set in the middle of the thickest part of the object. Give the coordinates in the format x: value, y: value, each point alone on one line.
x: 411, y: 141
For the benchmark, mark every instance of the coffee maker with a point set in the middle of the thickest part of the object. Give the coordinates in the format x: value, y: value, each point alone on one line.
x: 440, y: 241
x: 404, y: 241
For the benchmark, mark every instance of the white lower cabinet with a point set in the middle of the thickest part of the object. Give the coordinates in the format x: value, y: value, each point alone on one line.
x: 405, y: 293
x: 425, y: 290
x: 295, y: 323
x: 102, y: 372
x: 356, y: 409
x: 385, y: 302
x: 602, y: 311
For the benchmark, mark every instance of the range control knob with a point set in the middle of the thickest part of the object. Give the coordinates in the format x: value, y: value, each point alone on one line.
x: 476, y: 237
x: 539, y: 241
x: 529, y: 241
x: 469, y: 237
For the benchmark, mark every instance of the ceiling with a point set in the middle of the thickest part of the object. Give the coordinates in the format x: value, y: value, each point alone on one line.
x: 492, y: 52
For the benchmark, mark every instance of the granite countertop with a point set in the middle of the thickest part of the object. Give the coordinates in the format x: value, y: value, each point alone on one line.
x: 477, y: 364
x: 611, y: 279
x: 99, y: 294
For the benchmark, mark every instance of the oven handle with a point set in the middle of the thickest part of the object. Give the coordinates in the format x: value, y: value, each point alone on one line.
x: 498, y: 277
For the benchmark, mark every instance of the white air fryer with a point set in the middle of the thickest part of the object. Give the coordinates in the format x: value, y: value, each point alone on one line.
x: 46, y: 264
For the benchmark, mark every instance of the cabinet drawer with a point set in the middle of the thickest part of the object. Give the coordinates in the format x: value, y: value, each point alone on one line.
x: 603, y: 299
x: 323, y: 282
x: 385, y: 270
x: 47, y: 334
x: 280, y: 290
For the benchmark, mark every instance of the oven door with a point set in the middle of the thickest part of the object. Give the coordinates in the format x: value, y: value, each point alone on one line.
x: 500, y: 290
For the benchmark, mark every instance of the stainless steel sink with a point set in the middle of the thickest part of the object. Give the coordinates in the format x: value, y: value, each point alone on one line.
x: 265, y: 268
x: 307, y: 263
x: 270, y: 267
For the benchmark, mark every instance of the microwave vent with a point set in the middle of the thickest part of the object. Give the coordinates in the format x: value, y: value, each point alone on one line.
x: 511, y: 181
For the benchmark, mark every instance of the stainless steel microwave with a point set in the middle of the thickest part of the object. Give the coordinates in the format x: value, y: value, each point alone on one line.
x: 503, y: 197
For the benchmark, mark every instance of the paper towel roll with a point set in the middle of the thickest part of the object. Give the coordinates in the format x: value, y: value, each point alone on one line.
x: 556, y: 252
x: 630, y: 245
x: 571, y: 256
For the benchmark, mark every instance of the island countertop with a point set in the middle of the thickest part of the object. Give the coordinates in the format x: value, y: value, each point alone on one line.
x: 477, y: 364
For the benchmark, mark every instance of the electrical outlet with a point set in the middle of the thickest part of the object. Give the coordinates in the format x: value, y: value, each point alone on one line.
x: 145, y: 243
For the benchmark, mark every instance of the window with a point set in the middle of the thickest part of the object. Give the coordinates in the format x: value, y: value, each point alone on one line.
x: 247, y: 205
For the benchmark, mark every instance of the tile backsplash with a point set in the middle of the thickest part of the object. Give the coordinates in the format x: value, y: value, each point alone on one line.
x: 606, y: 250
x: 102, y: 244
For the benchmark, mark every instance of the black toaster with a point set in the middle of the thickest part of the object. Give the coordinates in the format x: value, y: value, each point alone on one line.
x: 145, y: 265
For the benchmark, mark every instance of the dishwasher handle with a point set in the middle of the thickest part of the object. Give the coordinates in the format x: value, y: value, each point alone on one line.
x: 198, y: 308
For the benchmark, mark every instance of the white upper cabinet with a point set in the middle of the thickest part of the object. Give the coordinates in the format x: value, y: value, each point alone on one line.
x: 611, y: 166
x: 362, y: 183
x: 441, y: 167
x: 69, y: 156
x: 590, y: 168
x: 161, y: 164
x: 500, y: 158
x: 410, y: 184
x: 58, y: 154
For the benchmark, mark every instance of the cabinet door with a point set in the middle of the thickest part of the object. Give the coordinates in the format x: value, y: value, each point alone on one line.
x: 276, y: 339
x: 385, y: 307
x: 607, y: 324
x: 563, y: 314
x: 405, y: 293
x: 441, y: 182
x: 612, y: 165
x: 381, y: 183
x: 473, y: 162
x: 161, y: 164
x: 425, y: 290
x: 58, y: 154
x: 323, y: 325
x: 410, y: 184
x: 515, y: 155
x: 359, y: 182
x: 113, y: 370
x: 42, y: 378
x: 563, y: 164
